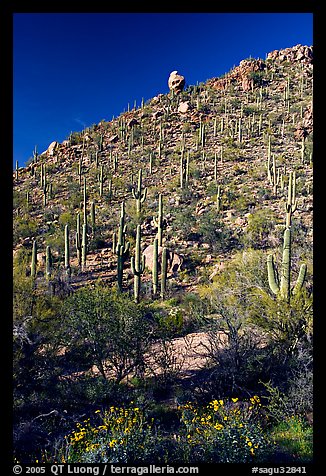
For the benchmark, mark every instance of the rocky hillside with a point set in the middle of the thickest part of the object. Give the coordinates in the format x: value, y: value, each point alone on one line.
x: 220, y: 155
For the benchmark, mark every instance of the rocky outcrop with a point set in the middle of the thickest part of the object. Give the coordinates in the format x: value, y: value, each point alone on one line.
x: 242, y: 74
x: 297, y: 53
x: 51, y: 149
x: 176, y: 82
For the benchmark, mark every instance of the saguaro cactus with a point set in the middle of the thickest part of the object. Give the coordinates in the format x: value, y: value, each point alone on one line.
x: 93, y: 221
x: 84, y: 203
x: 274, y: 177
x: 139, y: 194
x: 48, y: 262
x: 155, y: 267
x: 137, y: 265
x: 164, y: 268
x: 35, y: 154
x: 282, y: 287
x: 67, y: 253
x: 218, y: 199
x: 101, y: 180
x: 84, y: 247
x: 34, y: 260
x: 291, y: 204
x: 120, y: 247
x: 159, y: 222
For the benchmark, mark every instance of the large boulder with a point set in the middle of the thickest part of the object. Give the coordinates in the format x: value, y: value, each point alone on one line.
x: 174, y: 261
x: 52, y: 147
x: 176, y: 82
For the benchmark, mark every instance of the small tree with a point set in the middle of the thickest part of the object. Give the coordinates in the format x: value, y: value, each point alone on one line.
x: 112, y: 327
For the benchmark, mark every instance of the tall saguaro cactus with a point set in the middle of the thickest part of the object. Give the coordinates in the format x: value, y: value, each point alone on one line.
x: 163, y: 272
x: 67, y: 253
x: 139, y: 194
x: 34, y: 260
x: 218, y: 199
x: 291, y: 204
x: 155, y: 266
x: 93, y: 214
x: 137, y: 265
x: 120, y: 247
x: 78, y: 240
x: 274, y: 175
x: 48, y: 262
x: 84, y: 247
x: 282, y: 287
x: 159, y: 222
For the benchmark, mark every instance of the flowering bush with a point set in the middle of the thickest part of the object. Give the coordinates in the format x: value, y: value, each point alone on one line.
x: 122, y: 435
x: 220, y: 432
x: 224, y: 431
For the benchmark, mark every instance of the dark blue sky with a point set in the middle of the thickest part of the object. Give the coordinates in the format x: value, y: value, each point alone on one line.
x: 72, y: 70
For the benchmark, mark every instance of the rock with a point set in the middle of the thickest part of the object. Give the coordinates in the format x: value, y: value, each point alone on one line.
x: 52, y: 147
x: 300, y: 53
x: 157, y: 114
x: 183, y: 107
x: 218, y: 267
x: 174, y: 261
x: 132, y: 122
x: 240, y: 221
x: 301, y: 133
x: 242, y: 74
x: 176, y: 82
x: 40, y: 257
x: 113, y: 138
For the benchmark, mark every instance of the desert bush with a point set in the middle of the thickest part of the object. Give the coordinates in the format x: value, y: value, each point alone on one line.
x: 213, y: 231
x: 293, y: 440
x: 111, y: 325
x: 23, y: 227
x: 258, y: 233
x: 117, y: 435
x: 224, y: 431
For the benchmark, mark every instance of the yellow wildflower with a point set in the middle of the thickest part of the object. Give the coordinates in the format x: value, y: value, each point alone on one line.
x: 235, y: 399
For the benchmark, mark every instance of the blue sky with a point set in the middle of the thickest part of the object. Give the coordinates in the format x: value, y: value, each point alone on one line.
x: 72, y: 70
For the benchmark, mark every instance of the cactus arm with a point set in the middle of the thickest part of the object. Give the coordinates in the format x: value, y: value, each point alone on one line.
x: 155, y: 266
x: 34, y: 260
x: 286, y: 264
x: 67, y: 256
x: 137, y: 265
x: 84, y: 246
x: 301, y: 278
x: 48, y: 262
x: 272, y: 276
x: 163, y: 272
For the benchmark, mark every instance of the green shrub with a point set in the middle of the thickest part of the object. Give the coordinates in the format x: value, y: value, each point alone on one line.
x: 293, y: 438
x: 117, y: 435
x: 224, y: 431
x: 258, y: 233
x: 112, y: 325
x: 23, y: 227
